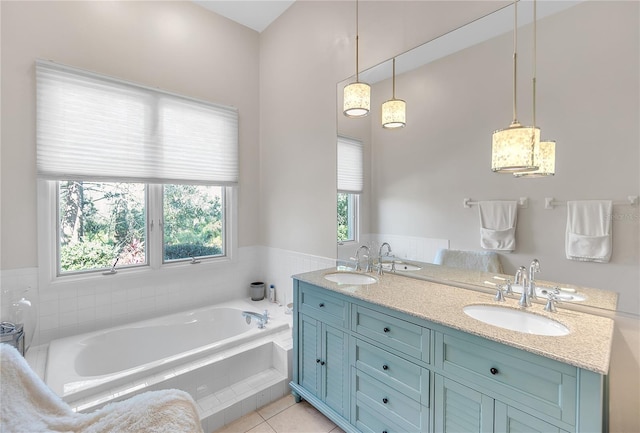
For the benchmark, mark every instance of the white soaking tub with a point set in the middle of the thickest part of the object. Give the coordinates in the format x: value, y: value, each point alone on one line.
x: 202, y: 351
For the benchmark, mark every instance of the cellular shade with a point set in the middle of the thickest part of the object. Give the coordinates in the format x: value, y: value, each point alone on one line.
x: 90, y: 126
x: 350, y: 165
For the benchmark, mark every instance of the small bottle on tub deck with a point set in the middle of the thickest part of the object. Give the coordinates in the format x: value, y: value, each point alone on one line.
x: 272, y: 293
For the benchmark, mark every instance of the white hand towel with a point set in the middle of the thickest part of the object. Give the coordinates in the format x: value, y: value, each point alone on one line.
x: 588, y: 237
x: 498, y: 225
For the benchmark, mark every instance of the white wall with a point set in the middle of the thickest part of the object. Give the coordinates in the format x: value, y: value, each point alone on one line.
x: 311, y: 48
x: 176, y: 46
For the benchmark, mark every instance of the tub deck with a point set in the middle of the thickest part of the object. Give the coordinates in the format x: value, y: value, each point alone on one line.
x: 226, y: 385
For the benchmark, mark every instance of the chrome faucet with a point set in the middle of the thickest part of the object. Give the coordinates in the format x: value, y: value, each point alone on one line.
x: 533, y: 268
x: 521, y: 278
x: 262, y: 319
x: 393, y: 265
x: 366, y: 248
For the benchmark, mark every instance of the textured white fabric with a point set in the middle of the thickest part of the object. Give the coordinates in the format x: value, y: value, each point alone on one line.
x: 475, y: 260
x: 498, y: 225
x: 27, y: 405
x: 588, y: 234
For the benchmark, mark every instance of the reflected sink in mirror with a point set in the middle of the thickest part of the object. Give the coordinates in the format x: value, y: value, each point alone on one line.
x: 516, y: 320
x: 543, y: 292
x: 350, y: 278
x: 401, y: 266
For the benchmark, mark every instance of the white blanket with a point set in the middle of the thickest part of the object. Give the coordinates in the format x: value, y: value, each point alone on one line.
x: 27, y: 405
x: 588, y: 235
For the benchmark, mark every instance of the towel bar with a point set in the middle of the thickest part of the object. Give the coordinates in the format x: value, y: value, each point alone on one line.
x: 550, y: 202
x: 523, y: 202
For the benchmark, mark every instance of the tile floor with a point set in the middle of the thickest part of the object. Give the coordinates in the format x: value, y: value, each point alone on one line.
x: 283, y: 416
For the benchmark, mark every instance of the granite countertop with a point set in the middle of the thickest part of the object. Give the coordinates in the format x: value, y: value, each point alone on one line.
x: 588, y: 344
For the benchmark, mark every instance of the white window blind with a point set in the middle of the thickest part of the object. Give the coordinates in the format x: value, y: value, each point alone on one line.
x: 91, y: 126
x: 350, y: 165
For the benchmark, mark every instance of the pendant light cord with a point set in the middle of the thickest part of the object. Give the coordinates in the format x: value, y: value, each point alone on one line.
x: 535, y: 34
x: 394, y: 79
x: 515, y: 57
x: 357, y: 43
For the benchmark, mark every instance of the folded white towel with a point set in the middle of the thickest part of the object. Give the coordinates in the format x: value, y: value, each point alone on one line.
x: 498, y: 225
x: 588, y: 236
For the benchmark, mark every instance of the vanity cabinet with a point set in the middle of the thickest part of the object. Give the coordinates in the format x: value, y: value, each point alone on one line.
x: 370, y: 369
x: 323, y: 355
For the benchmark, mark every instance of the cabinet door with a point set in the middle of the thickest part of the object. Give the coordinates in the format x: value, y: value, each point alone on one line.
x: 511, y: 420
x: 335, y: 369
x: 459, y: 409
x: 323, y: 363
x: 310, y: 337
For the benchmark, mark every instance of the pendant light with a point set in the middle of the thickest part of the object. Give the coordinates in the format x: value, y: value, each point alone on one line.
x: 544, y: 153
x: 394, y: 111
x: 357, y: 96
x: 512, y: 148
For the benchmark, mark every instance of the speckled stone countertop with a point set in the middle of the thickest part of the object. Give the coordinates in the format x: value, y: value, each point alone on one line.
x: 588, y: 344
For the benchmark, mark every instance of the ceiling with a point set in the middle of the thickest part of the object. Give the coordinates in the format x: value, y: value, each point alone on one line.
x: 255, y: 14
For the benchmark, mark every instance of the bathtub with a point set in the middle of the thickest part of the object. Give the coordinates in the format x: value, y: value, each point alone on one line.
x: 92, y: 369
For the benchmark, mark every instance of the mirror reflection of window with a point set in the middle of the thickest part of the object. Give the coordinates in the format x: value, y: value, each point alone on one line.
x: 350, y: 185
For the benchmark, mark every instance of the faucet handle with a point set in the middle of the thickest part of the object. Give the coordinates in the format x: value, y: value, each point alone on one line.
x: 499, y: 294
x: 552, y: 300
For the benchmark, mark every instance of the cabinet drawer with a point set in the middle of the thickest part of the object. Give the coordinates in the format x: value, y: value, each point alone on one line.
x: 531, y: 382
x: 319, y: 304
x: 399, y: 409
x: 400, y: 374
x: 395, y: 333
x: 370, y: 421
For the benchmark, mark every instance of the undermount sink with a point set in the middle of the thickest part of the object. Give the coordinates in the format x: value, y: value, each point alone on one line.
x: 516, y: 320
x: 401, y: 266
x: 350, y: 278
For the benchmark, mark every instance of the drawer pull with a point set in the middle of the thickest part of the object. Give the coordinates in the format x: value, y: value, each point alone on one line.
x: 385, y: 329
x: 493, y: 370
x: 385, y: 400
x: 385, y: 367
x: 321, y: 304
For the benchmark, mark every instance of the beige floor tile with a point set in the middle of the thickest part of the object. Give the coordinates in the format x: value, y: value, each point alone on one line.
x: 243, y: 424
x: 276, y: 407
x: 301, y: 418
x: 262, y: 428
x: 337, y: 430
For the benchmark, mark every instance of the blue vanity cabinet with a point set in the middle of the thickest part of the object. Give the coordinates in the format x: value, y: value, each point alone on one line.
x: 374, y: 369
x: 323, y: 349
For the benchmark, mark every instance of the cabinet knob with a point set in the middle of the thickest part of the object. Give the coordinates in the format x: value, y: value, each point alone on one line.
x: 385, y: 400
x: 321, y: 304
x: 317, y: 361
x: 493, y: 370
x: 321, y: 362
x: 384, y: 431
x: 385, y: 367
x: 385, y: 329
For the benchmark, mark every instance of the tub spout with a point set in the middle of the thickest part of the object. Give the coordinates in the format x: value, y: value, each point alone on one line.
x: 262, y: 319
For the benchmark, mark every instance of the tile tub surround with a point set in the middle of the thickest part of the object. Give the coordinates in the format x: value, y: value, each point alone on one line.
x: 588, y: 345
x: 226, y: 385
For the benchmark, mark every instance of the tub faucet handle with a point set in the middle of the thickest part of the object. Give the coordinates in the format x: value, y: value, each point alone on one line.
x: 265, y: 315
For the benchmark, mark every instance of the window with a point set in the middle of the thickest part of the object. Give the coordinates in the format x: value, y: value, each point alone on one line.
x: 137, y: 176
x: 193, y: 221
x: 347, y: 217
x: 100, y: 223
x: 350, y: 184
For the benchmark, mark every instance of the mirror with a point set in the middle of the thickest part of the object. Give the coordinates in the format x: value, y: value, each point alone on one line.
x: 458, y: 90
